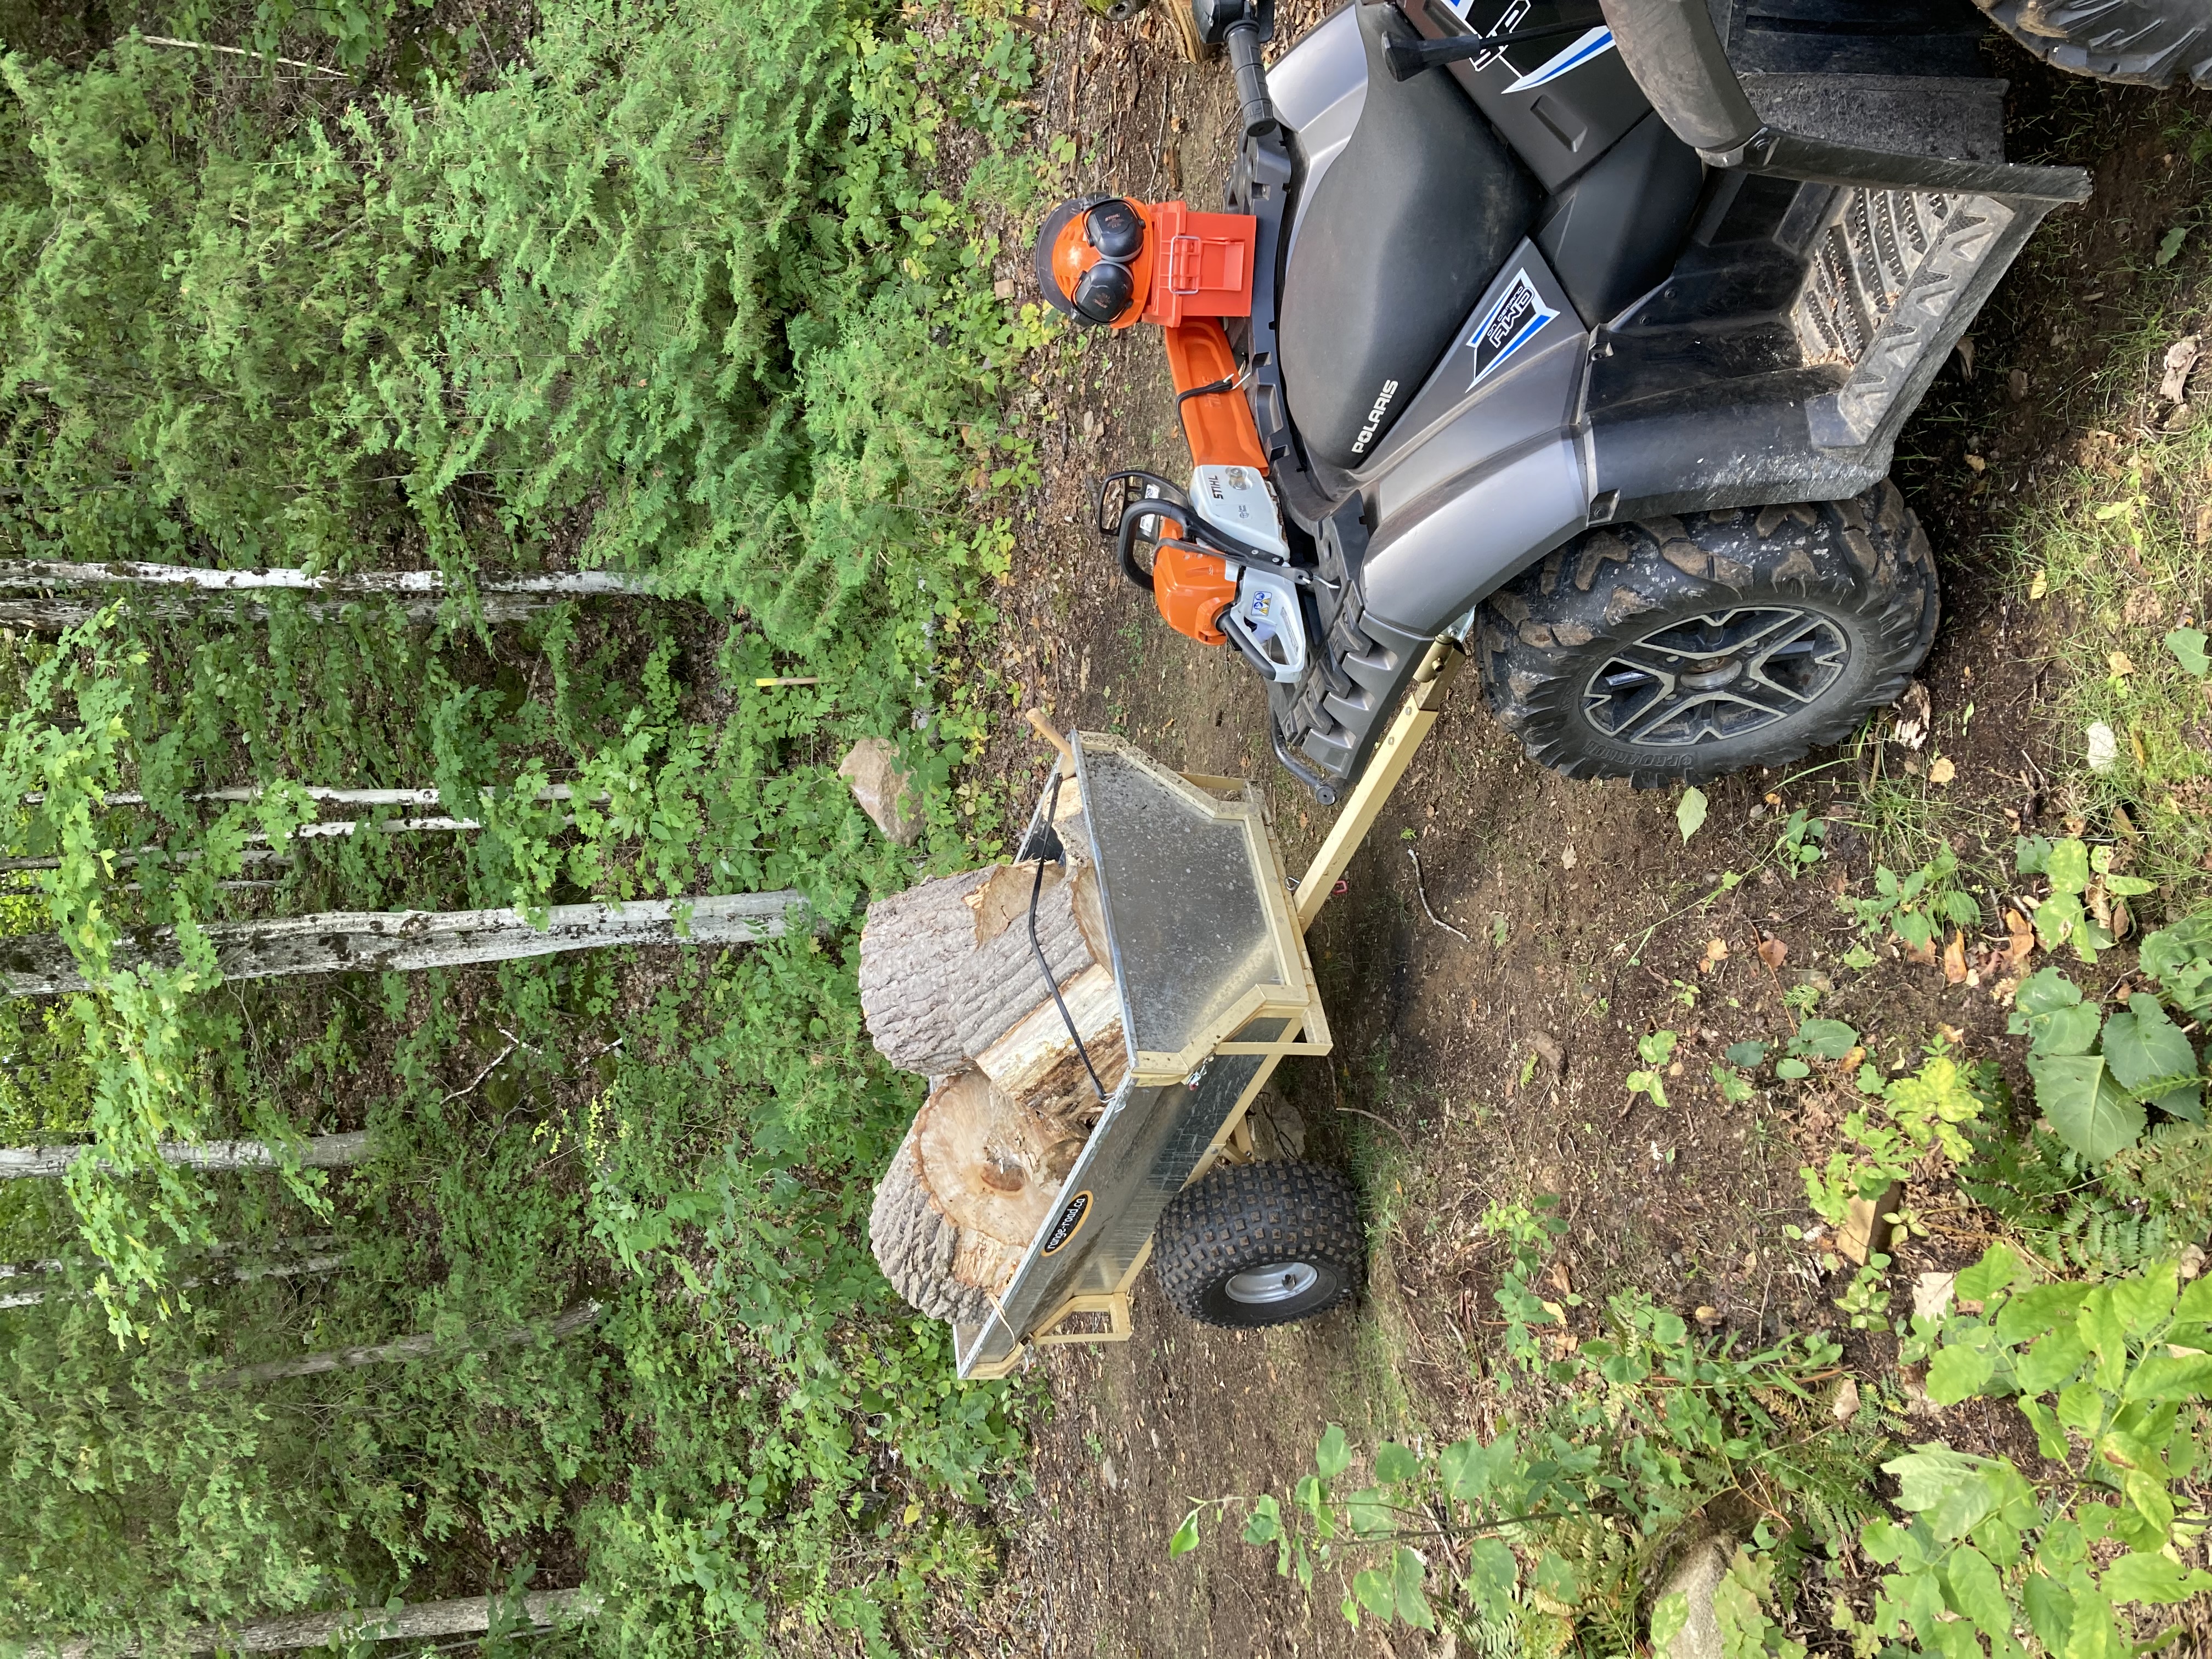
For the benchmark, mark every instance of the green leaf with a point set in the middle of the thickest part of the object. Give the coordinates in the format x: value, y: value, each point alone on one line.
x: 1266, y: 1526
x: 1557, y: 1578
x: 1657, y: 1048
x: 2058, y: 919
x: 2031, y: 854
x: 1395, y: 1463
x: 2188, y: 645
x: 2046, y: 991
x: 1491, y: 1573
x: 2090, y: 1113
x: 2067, y: 1031
x: 1407, y: 1571
x: 1748, y: 1055
x: 1334, y: 1456
x: 1998, y: 1268
x: 1186, y: 1536
x: 1669, y: 1618
x: 1469, y: 1467
x: 1369, y: 1515
x: 1976, y: 1593
x: 2068, y: 866
x: 2147, y: 1052
x: 1831, y: 1039
x: 1374, y: 1590
x: 1792, y: 1069
x: 1690, y: 812
x: 2050, y: 1611
x: 2145, y: 1577
x: 2169, y: 246
x: 2036, y: 1309
x: 1958, y: 1373
x: 2143, y: 1303
x: 1954, y: 1490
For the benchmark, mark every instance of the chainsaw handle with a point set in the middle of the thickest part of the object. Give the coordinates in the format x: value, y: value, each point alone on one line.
x: 1125, y: 545
x: 1259, y: 110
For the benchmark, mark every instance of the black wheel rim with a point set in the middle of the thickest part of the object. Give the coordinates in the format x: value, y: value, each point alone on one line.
x: 1715, y: 677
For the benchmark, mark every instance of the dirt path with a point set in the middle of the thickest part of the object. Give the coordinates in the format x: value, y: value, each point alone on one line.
x: 1487, y: 1064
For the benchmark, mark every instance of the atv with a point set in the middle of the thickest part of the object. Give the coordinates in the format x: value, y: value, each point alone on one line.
x: 1579, y: 336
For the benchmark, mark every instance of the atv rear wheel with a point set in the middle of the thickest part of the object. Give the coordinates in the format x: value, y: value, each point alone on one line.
x: 2144, y: 42
x: 1683, y: 649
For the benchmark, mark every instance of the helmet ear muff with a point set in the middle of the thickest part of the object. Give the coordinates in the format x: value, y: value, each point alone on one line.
x: 1049, y: 239
x: 1115, y: 230
x: 1104, y: 292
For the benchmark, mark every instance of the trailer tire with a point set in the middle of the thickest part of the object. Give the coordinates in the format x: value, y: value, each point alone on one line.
x: 1255, y: 1244
x: 1679, y: 650
x: 2148, y: 43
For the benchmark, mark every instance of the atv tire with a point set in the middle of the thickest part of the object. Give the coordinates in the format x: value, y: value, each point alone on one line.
x: 2143, y: 42
x: 1679, y: 650
x: 1251, y: 1245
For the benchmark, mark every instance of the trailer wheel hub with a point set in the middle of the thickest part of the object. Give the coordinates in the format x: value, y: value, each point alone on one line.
x: 1723, y: 675
x: 1277, y: 1281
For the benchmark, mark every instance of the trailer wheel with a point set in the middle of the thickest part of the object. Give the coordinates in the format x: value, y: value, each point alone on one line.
x: 2145, y: 42
x: 1679, y: 650
x: 1255, y: 1244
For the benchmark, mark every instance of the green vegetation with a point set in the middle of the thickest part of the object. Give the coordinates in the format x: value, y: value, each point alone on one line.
x: 686, y: 290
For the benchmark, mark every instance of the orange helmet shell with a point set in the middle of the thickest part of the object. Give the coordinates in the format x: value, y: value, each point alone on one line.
x: 1068, y: 255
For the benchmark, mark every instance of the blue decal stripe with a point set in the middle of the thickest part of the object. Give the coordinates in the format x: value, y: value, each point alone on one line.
x: 1595, y: 43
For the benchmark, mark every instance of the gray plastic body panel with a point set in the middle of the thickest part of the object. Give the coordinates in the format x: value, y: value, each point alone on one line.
x: 1480, y: 477
x: 1319, y: 89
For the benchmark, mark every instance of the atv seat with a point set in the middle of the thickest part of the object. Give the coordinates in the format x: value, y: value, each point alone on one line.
x: 1396, y: 244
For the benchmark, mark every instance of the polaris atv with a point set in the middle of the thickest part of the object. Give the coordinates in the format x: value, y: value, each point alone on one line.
x: 1580, y: 336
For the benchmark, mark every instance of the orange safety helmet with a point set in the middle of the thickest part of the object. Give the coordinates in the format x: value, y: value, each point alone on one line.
x: 1094, y: 259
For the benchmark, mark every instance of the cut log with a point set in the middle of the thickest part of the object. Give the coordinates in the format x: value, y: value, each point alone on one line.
x: 908, y: 949
x: 1036, y: 1061
x: 975, y: 1177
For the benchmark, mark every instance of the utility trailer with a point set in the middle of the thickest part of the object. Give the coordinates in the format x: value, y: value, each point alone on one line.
x: 1217, y: 990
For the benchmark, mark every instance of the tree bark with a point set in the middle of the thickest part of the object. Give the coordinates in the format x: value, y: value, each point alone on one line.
x: 316, y: 1152
x: 360, y: 941
x: 46, y: 595
x: 421, y: 1345
x: 423, y: 1620
x: 245, y: 1274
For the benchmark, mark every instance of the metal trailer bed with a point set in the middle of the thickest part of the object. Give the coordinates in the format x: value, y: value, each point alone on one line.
x: 1206, y: 935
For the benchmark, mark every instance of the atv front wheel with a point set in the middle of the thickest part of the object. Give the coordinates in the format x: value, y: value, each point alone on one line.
x: 2145, y: 42
x: 1683, y: 649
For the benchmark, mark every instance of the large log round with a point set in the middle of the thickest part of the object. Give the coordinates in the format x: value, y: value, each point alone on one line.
x: 908, y: 951
x: 975, y: 1177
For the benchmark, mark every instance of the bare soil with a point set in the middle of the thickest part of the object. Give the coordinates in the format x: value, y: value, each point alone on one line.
x: 1481, y: 1050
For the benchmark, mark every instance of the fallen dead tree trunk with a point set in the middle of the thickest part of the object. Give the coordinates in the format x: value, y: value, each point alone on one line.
x: 364, y: 941
x: 465, y: 1616
x: 315, y: 1152
x: 48, y: 595
x: 423, y: 1345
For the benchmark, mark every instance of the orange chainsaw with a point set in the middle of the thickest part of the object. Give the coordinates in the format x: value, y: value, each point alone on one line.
x: 1220, y: 567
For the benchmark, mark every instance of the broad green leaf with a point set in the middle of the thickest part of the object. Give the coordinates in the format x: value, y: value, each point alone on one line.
x: 2050, y: 1610
x: 1976, y: 1593
x: 2036, y: 1310
x: 2187, y: 645
x: 1998, y: 1268
x: 1748, y: 1055
x: 1395, y: 1463
x: 2045, y: 991
x: 1954, y: 1490
x: 2031, y: 854
x: 2090, y: 1113
x: 1186, y: 1537
x: 2147, y: 1052
x: 1408, y: 1569
x: 1958, y: 1373
x: 1690, y: 812
x: 2148, y: 1493
x: 1669, y: 1618
x: 2143, y: 1303
x: 1266, y: 1526
x: 1831, y: 1039
x: 2068, y: 866
x: 1557, y: 1578
x: 2050, y: 1437
x: 1334, y: 1456
x: 2152, y: 1577
x: 2194, y: 1306
x: 2065, y: 1030
x: 2105, y: 1331
x: 2057, y: 919
x: 1465, y: 1467
x: 1369, y: 1515
x: 1792, y: 1069
x: 1374, y: 1590
x: 2082, y: 1405
x: 1491, y: 1574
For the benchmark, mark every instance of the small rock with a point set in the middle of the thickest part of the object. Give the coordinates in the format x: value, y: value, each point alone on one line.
x: 1695, y: 1577
x: 1004, y: 288
x: 1110, y: 1475
x: 1864, y: 1231
x: 2180, y: 358
x: 2192, y: 1261
x: 884, y: 792
x: 2103, y: 747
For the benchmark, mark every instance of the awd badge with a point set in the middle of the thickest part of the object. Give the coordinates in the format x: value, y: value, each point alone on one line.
x: 1514, y: 320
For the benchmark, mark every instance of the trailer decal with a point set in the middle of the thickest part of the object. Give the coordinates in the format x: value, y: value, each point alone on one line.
x: 1069, y: 1223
